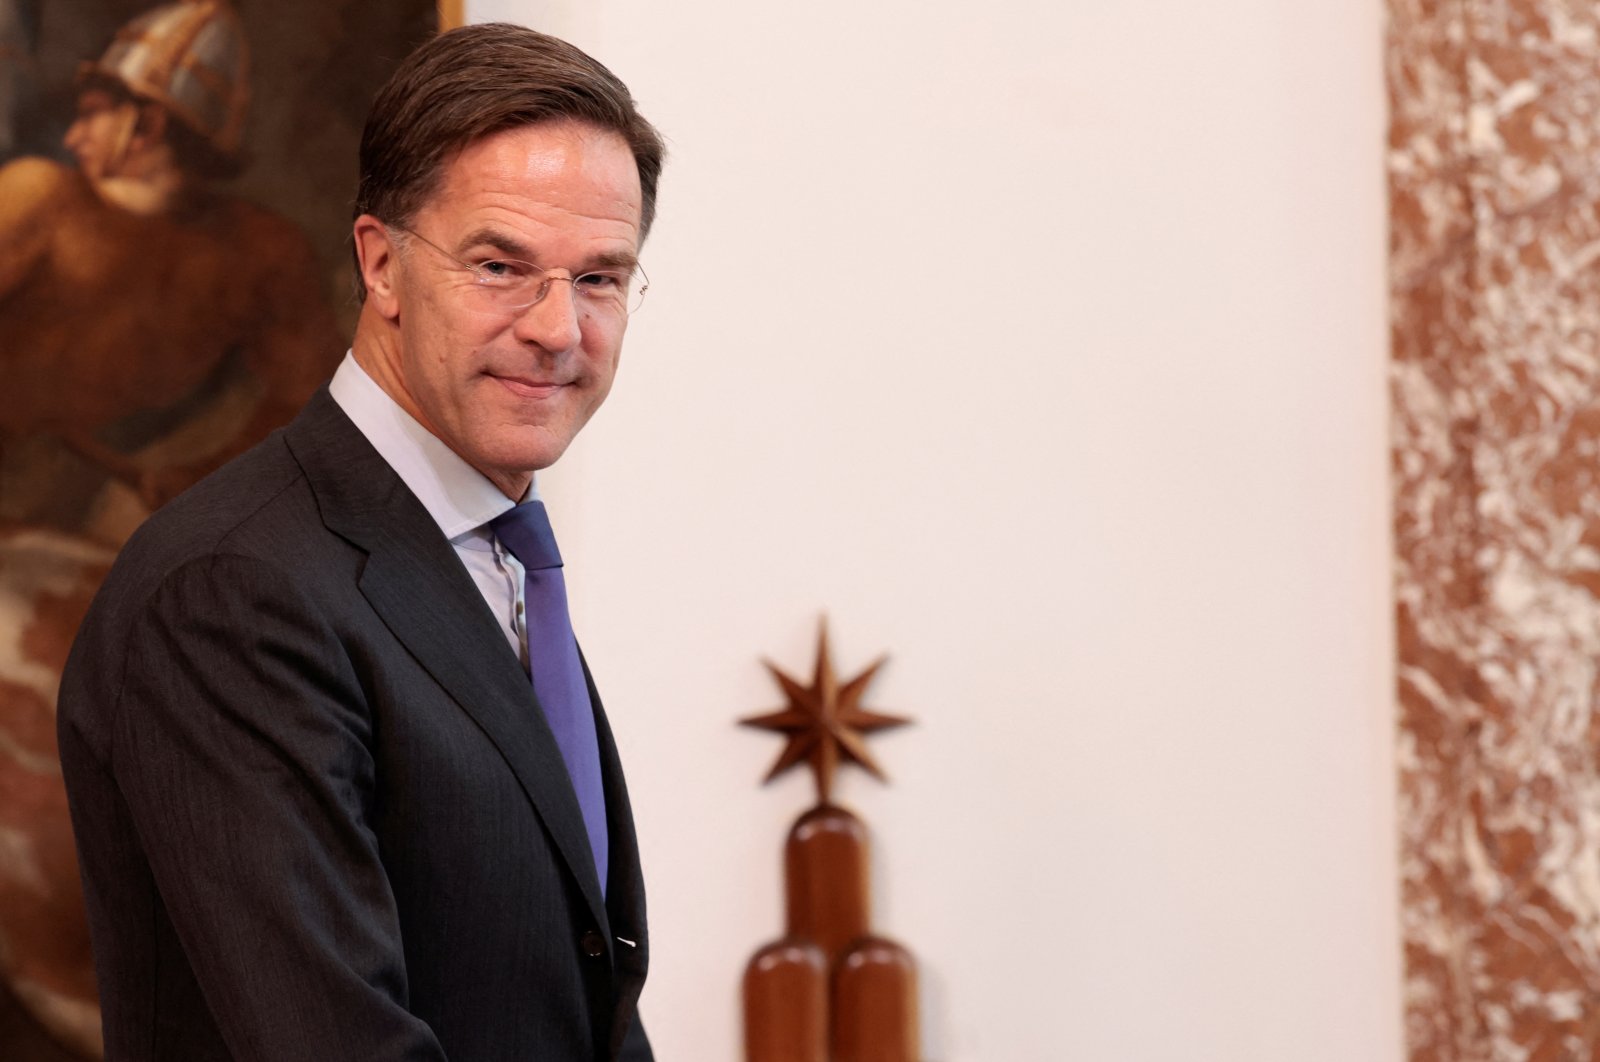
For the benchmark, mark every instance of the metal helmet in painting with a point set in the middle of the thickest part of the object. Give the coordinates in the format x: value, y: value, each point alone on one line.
x: 190, y: 57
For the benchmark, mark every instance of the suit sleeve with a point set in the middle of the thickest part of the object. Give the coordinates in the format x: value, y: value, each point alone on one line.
x: 243, y: 750
x: 636, y: 1048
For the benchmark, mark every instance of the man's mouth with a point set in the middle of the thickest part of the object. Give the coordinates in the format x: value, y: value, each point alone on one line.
x: 526, y: 387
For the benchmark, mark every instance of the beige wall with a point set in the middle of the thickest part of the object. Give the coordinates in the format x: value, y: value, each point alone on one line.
x: 1042, y: 346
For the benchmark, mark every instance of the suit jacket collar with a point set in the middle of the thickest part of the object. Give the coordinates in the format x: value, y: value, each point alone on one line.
x: 416, y: 584
x: 458, y: 497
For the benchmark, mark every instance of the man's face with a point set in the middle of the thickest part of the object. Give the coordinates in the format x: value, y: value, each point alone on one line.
x: 98, y: 136
x: 509, y: 391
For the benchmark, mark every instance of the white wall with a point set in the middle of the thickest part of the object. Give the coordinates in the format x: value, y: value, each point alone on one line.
x: 1042, y: 346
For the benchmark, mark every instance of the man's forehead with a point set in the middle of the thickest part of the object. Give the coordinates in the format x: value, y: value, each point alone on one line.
x: 566, y: 166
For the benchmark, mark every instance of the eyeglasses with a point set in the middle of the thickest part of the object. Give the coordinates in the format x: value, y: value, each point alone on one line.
x: 506, y: 286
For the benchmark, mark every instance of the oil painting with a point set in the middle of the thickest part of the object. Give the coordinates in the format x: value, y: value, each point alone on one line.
x: 175, y: 189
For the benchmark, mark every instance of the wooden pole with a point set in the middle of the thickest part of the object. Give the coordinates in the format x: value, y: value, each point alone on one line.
x: 786, y: 1004
x: 825, y: 872
x: 875, y: 1004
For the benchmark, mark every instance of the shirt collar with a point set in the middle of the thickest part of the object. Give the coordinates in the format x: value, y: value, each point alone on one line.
x: 460, y: 499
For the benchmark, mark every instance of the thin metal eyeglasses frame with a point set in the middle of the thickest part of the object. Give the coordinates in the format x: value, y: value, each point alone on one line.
x: 630, y: 305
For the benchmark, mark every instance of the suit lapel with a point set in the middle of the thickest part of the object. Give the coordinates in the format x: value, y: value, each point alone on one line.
x: 415, y: 582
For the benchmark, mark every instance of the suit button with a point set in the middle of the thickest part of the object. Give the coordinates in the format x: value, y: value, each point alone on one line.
x: 594, y: 945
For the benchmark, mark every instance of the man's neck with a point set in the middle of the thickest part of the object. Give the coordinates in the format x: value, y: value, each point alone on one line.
x: 377, y: 349
x: 153, y: 192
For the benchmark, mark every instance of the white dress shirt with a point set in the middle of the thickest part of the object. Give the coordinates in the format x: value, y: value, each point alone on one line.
x: 460, y: 499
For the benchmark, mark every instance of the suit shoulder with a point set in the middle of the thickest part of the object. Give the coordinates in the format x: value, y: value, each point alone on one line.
x: 259, y: 506
x: 254, y: 518
x: 203, y: 518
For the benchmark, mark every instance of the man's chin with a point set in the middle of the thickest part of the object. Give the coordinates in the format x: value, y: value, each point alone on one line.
x: 515, y: 461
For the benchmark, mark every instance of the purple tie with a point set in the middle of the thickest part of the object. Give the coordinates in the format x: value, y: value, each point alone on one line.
x: 553, y: 662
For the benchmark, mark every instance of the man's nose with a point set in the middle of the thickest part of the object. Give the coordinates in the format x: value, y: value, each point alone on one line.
x: 552, y: 320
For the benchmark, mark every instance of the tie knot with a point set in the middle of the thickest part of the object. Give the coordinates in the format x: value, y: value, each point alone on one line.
x: 525, y: 531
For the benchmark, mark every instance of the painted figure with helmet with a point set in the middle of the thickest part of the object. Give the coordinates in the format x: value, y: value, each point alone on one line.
x: 151, y: 327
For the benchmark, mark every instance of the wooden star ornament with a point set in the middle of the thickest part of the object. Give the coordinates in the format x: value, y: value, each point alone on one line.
x: 825, y: 723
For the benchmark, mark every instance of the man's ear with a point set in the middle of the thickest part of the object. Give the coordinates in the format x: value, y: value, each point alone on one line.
x: 149, y: 125
x: 380, y: 263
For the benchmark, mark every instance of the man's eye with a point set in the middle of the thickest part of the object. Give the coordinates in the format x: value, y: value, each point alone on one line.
x: 599, y: 283
x: 502, y: 270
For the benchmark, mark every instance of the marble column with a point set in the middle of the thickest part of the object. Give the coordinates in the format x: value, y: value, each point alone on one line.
x: 1494, y: 173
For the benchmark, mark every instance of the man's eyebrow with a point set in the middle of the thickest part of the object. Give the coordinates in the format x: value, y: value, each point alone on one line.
x: 509, y: 246
x: 615, y: 260
x: 512, y: 247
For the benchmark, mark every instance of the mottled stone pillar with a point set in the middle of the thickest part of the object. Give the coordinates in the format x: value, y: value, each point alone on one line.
x: 1494, y: 173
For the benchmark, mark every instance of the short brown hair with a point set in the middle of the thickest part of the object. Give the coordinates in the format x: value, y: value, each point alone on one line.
x: 475, y: 81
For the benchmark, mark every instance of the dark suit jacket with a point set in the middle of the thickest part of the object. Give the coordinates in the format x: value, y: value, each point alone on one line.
x: 319, y: 812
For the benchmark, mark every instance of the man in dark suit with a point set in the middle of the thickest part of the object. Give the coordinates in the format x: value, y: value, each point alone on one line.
x: 341, y: 784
